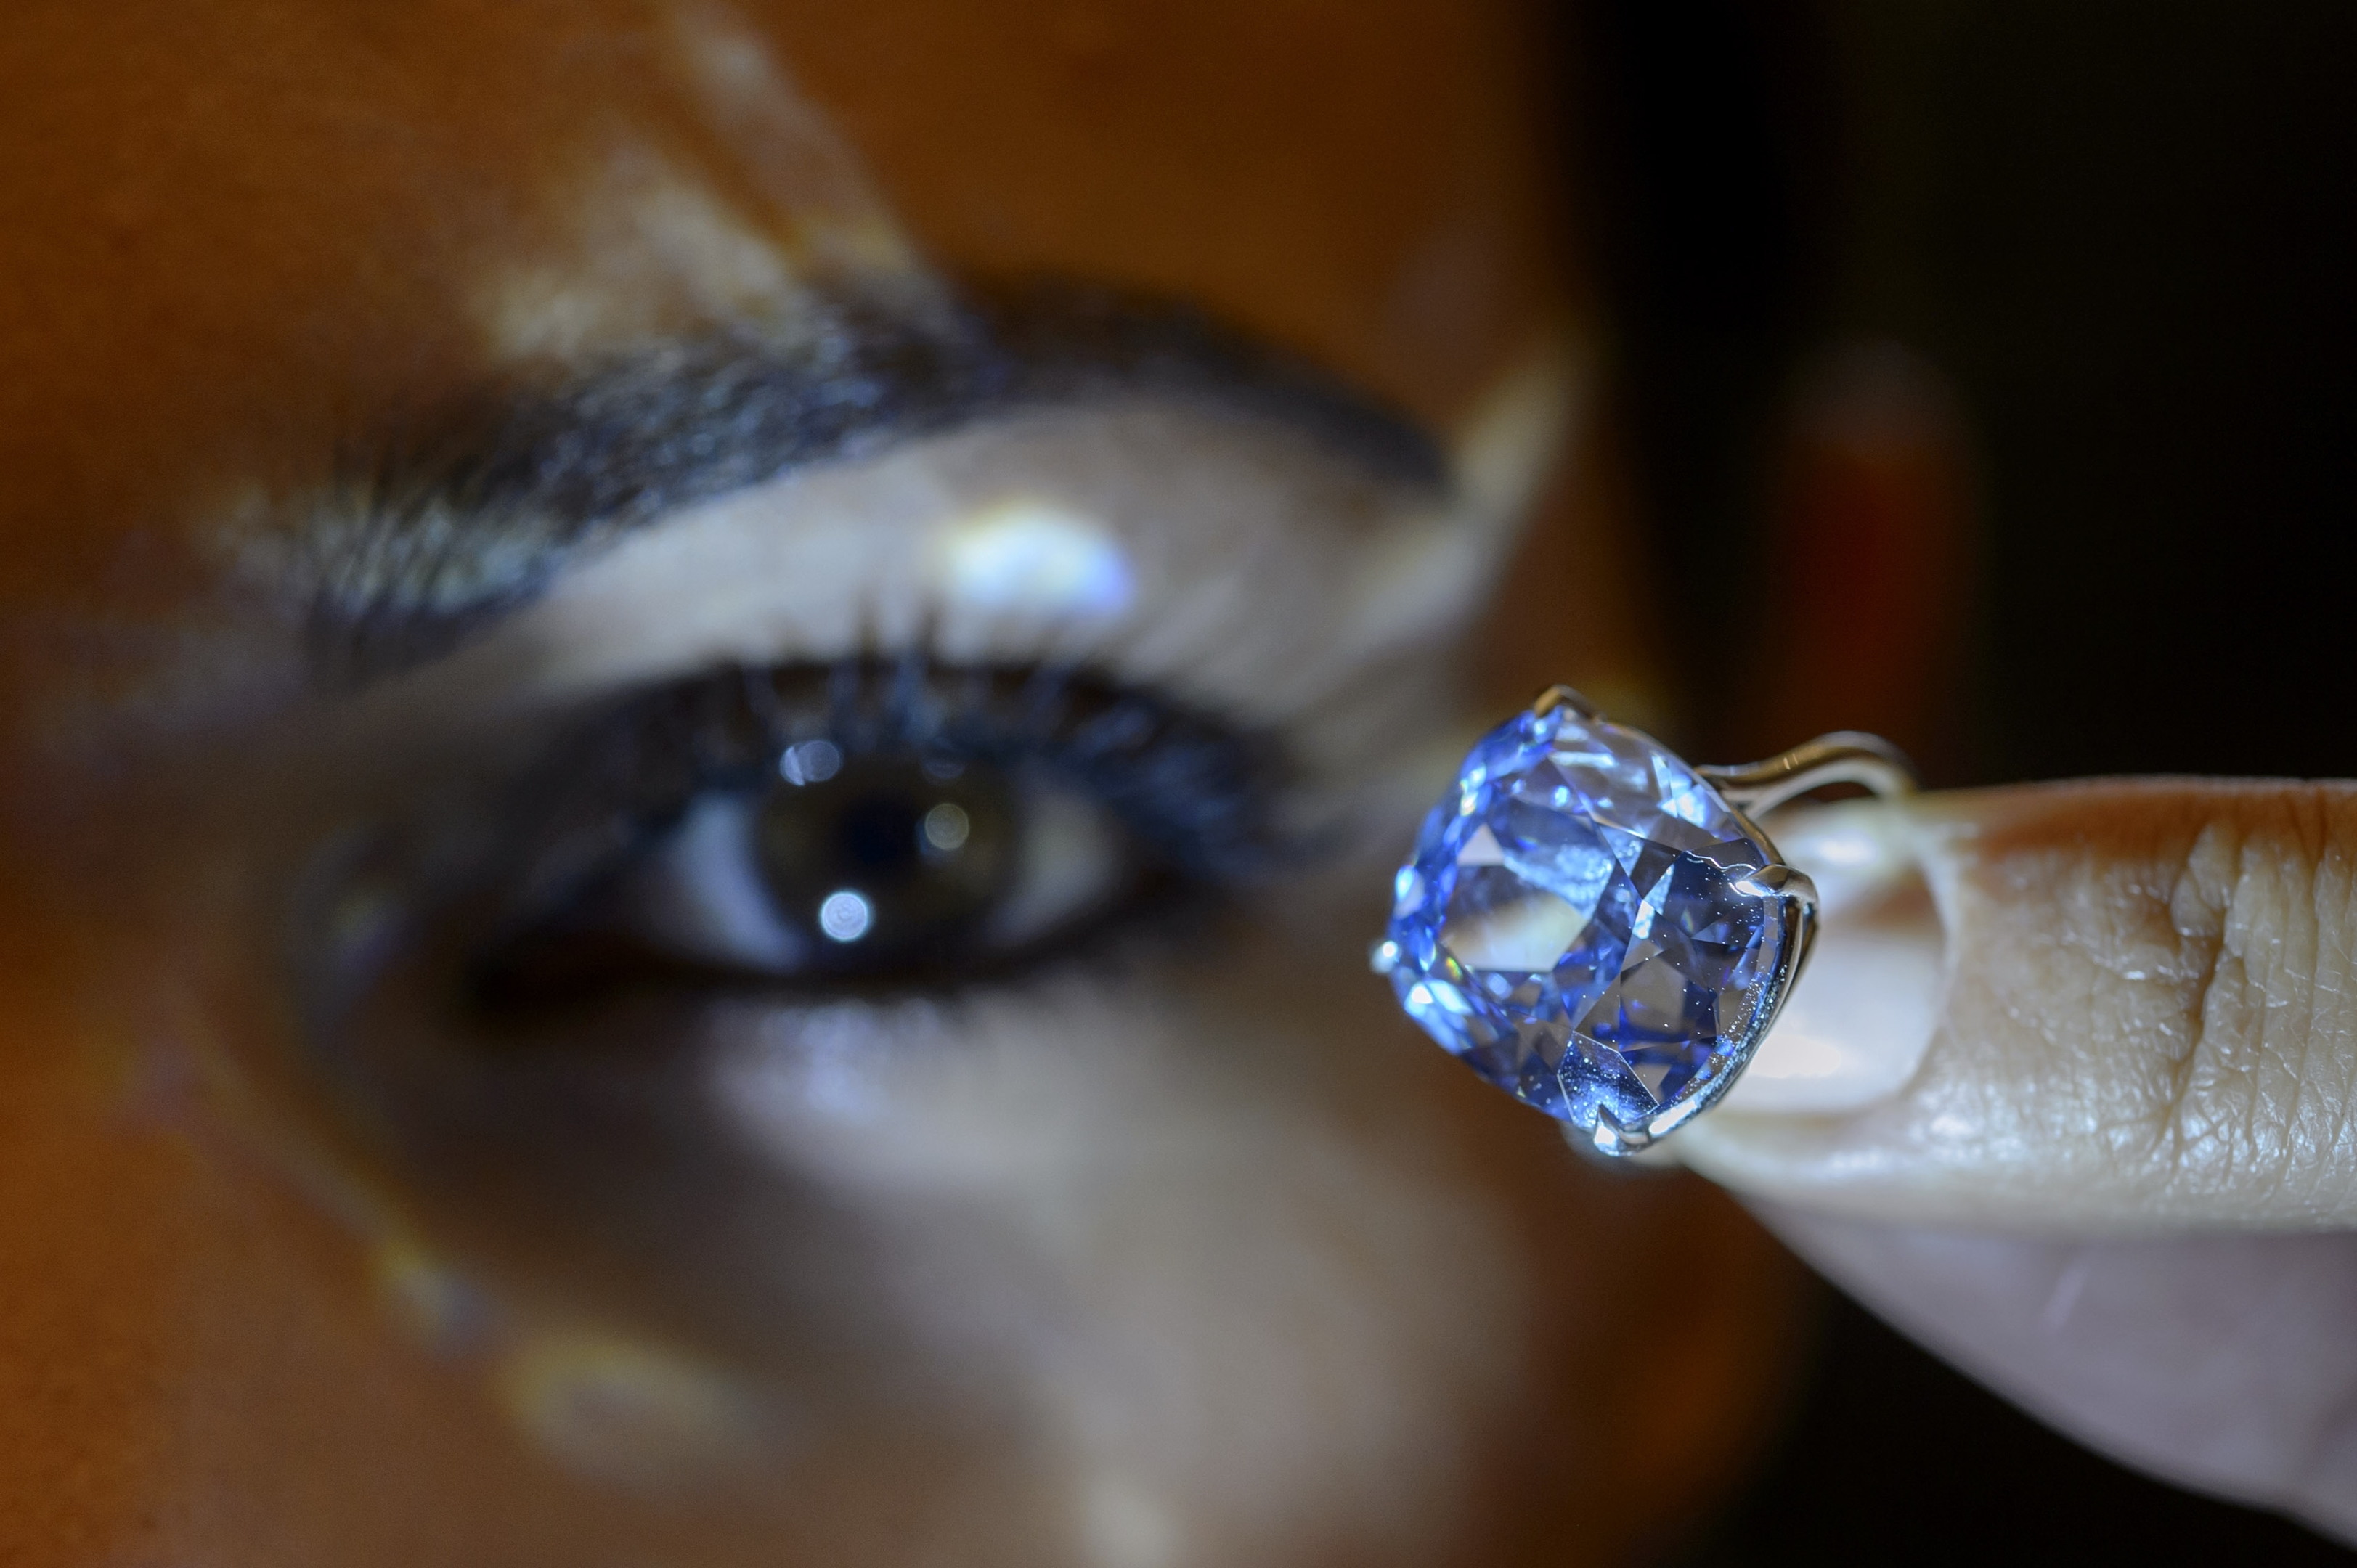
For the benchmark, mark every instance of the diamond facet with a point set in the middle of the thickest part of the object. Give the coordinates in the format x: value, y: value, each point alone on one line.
x: 1579, y: 924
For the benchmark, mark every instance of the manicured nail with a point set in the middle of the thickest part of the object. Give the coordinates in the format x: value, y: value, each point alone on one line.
x: 1859, y: 1021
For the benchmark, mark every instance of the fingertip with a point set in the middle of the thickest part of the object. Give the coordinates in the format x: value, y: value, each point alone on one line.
x: 2140, y: 1020
x: 1857, y: 1024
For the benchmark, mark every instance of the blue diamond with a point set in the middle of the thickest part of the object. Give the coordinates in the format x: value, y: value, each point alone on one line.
x: 1579, y: 926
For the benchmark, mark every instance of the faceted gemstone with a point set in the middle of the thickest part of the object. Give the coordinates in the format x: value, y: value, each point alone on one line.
x: 1577, y: 925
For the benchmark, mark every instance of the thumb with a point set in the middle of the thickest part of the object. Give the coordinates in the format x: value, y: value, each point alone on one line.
x: 2099, y: 1007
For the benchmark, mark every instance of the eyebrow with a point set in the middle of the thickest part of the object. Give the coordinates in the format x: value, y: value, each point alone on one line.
x: 472, y: 513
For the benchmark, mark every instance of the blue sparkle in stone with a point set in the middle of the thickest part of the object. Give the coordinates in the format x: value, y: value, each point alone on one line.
x: 1576, y: 925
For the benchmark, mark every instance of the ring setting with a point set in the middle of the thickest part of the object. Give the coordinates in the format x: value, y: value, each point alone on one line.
x: 1602, y: 929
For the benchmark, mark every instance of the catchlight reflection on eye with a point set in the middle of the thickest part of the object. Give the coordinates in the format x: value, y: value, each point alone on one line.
x: 946, y: 827
x: 846, y: 916
x: 813, y: 762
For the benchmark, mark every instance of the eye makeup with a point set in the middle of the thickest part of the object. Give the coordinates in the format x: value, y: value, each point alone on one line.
x: 476, y: 509
x: 1132, y: 493
x: 1062, y: 590
x: 866, y: 824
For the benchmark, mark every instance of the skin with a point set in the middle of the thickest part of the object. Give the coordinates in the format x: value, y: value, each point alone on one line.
x: 1272, y: 1283
x: 1268, y: 1282
x: 2107, y: 1169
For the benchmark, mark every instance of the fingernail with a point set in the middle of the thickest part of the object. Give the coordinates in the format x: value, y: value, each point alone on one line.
x: 1855, y: 1027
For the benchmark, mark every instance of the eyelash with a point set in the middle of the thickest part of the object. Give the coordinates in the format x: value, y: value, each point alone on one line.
x: 1203, y: 801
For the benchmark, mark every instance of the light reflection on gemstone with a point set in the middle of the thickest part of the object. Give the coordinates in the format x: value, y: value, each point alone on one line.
x: 1576, y: 924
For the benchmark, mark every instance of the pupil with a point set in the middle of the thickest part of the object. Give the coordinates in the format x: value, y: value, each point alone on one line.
x: 880, y: 834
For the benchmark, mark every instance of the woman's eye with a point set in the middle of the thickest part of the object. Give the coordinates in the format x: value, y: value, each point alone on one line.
x: 878, y: 867
x: 869, y: 825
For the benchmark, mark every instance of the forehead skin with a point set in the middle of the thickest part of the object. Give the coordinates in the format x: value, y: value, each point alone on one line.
x: 234, y: 232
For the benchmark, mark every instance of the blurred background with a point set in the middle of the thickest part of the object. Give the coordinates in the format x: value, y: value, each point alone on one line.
x: 2009, y: 346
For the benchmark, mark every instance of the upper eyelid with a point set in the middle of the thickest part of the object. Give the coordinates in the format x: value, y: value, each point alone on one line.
x: 734, y: 724
x: 452, y: 526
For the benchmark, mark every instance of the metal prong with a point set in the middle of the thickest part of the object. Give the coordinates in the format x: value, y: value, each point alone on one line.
x: 1845, y: 756
x: 1781, y: 882
x: 1555, y: 697
x: 1614, y: 1142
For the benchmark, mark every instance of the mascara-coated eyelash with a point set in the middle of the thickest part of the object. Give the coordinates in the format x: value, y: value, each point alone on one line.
x: 871, y: 823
